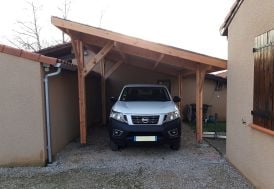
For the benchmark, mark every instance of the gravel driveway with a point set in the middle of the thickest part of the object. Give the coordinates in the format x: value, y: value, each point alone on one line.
x: 96, y: 166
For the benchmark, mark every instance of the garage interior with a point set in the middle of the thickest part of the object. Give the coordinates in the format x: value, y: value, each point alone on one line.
x: 101, y: 53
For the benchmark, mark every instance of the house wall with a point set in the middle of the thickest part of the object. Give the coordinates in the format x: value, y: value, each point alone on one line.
x: 217, y: 99
x: 22, y: 140
x: 64, y: 109
x: 249, y: 150
x: 93, y: 99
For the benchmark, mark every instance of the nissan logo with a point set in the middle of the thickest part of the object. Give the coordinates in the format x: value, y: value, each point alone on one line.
x: 145, y: 120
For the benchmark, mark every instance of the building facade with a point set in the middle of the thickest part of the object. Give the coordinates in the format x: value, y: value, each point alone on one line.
x: 249, y: 148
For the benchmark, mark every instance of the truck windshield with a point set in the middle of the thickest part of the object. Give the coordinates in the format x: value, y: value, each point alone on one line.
x: 145, y: 94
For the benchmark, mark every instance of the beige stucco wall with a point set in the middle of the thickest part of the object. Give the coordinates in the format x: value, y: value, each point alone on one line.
x: 249, y: 150
x: 217, y: 99
x: 22, y: 139
x: 64, y: 109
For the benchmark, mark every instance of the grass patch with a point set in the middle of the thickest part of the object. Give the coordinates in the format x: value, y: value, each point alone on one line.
x: 210, y: 127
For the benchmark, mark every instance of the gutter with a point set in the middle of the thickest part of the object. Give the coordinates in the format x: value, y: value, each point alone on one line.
x: 48, y: 123
x: 235, y: 7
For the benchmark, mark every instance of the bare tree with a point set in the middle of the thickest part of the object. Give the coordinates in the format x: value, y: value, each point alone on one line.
x: 28, y: 33
x: 65, y: 11
x: 102, y: 14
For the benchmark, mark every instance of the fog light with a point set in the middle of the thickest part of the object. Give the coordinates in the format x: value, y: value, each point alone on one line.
x: 173, y: 132
x: 117, y: 132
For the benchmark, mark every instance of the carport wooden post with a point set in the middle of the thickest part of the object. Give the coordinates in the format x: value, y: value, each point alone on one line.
x: 103, y: 91
x: 200, y: 77
x: 180, y: 86
x: 78, y: 49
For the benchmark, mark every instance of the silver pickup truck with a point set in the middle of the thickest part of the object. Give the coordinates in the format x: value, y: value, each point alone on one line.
x: 144, y: 114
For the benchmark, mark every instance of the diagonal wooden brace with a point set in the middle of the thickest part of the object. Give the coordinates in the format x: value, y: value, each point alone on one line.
x: 99, y: 56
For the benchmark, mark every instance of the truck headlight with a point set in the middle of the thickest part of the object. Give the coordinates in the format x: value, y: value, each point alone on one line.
x: 118, y: 116
x: 171, y: 116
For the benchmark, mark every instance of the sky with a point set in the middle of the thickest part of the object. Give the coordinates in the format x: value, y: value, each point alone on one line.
x: 188, y: 24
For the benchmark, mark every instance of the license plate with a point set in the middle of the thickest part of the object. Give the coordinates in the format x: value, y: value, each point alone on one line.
x: 145, y: 138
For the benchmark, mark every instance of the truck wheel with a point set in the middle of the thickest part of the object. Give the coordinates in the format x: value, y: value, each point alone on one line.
x: 114, y: 146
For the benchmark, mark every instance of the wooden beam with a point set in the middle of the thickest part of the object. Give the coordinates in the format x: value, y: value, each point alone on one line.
x: 99, y: 56
x: 180, y: 87
x: 122, y: 54
x: 78, y: 50
x: 158, y: 61
x: 200, y: 77
x: 189, y: 73
x: 164, y: 49
x: 103, y: 92
x: 113, y: 68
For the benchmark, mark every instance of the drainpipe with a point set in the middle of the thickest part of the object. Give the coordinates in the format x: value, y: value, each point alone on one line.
x: 48, y: 124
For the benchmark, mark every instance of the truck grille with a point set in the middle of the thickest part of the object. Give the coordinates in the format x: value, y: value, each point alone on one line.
x: 145, y: 119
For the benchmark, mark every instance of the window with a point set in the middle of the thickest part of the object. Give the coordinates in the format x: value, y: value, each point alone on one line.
x: 263, y: 100
x: 145, y: 94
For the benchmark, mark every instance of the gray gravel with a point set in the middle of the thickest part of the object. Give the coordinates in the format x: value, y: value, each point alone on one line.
x: 218, y: 144
x: 96, y: 166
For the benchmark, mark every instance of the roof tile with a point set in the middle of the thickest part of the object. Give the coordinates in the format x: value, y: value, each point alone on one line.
x: 28, y: 55
x: 12, y: 51
x: 48, y: 60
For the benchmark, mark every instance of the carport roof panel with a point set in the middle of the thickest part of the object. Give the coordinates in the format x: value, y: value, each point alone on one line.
x: 77, y: 29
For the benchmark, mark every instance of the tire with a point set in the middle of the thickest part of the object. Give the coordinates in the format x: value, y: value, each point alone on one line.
x: 114, y: 146
x: 176, y: 146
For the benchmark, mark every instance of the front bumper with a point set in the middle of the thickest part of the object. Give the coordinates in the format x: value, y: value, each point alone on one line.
x: 127, y: 133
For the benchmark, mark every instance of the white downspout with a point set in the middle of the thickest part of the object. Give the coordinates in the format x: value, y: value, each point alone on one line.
x: 48, y: 123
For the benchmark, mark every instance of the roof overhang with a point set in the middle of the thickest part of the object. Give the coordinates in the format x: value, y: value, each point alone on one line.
x: 233, y: 10
x: 178, y: 59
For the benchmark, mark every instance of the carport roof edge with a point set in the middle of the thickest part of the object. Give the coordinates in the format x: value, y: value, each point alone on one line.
x: 70, y: 26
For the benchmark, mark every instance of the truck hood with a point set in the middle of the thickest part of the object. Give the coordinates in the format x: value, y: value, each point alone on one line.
x: 143, y: 107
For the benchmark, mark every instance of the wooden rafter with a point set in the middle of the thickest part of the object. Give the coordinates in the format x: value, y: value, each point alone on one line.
x: 200, y: 77
x: 158, y: 61
x: 98, y: 57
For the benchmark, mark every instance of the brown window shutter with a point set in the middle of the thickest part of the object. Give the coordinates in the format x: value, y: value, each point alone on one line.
x: 263, y: 100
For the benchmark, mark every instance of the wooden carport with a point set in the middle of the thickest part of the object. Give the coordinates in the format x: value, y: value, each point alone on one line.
x: 124, y: 49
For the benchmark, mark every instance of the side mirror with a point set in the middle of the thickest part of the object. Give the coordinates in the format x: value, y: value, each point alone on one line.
x: 113, y: 99
x: 176, y: 99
